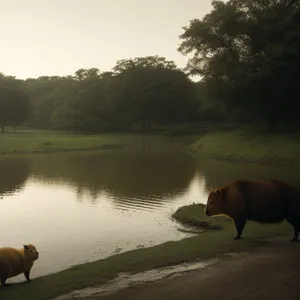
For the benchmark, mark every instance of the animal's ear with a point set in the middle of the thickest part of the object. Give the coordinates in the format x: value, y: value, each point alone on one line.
x: 26, y: 247
x: 219, y: 193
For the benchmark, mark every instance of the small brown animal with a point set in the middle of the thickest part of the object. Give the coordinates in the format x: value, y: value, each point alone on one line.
x: 263, y: 201
x: 16, y: 261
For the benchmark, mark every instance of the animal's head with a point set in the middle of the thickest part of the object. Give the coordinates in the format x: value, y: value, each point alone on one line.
x: 215, y: 203
x: 30, y: 252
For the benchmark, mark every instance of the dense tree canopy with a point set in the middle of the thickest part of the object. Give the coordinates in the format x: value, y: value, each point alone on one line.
x: 141, y: 91
x: 154, y: 94
x: 14, y: 107
x: 144, y: 62
x: 247, y: 52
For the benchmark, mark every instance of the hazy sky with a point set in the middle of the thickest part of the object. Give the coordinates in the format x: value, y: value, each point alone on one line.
x: 57, y: 37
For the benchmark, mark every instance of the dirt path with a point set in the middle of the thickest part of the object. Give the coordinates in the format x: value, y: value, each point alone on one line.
x: 270, y: 273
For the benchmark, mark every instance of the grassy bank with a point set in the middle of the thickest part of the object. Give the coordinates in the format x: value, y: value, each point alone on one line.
x: 212, y: 243
x: 31, y: 141
x: 194, y: 215
x: 243, y: 145
x: 27, y: 141
x: 42, y: 140
x: 249, y: 145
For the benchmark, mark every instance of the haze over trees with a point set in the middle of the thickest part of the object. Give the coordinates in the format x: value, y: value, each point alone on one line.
x: 14, y: 103
x: 137, y: 92
x: 247, y: 53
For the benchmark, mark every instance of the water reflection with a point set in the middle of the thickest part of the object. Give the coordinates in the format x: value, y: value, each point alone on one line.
x: 13, y: 174
x: 132, y: 178
x: 91, y: 204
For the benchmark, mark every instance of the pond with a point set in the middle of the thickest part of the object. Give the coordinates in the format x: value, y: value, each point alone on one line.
x: 82, y: 206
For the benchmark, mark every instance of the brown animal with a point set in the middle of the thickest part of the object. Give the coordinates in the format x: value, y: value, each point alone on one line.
x: 16, y: 261
x: 264, y: 201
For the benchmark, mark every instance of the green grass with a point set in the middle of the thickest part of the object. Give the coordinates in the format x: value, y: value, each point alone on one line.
x: 33, y: 140
x: 46, y: 140
x: 235, y: 144
x: 194, y: 215
x: 212, y: 243
x: 247, y: 145
x: 243, y: 145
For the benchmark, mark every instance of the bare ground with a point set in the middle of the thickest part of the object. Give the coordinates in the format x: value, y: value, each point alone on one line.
x: 269, y: 273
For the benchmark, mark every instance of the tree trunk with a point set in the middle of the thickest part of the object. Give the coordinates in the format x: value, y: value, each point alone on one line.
x: 14, y: 126
x: 2, y: 128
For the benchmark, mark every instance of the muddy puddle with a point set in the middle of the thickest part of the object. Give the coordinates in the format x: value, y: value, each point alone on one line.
x: 125, y: 280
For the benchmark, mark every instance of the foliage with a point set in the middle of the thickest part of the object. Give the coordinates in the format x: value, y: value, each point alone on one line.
x: 14, y: 106
x: 155, y: 95
x: 144, y: 90
x: 247, y: 53
x: 143, y: 62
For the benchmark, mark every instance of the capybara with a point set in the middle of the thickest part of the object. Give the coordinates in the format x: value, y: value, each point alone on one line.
x: 16, y: 261
x: 264, y: 201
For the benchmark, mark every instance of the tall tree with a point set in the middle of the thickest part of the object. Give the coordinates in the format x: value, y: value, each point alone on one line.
x: 247, y: 52
x: 144, y: 62
x: 14, y: 107
x: 158, y: 93
x: 44, y: 94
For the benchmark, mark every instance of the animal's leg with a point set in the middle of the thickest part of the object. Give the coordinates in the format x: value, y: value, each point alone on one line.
x: 3, y: 279
x: 295, y: 223
x: 239, y: 225
x: 27, y: 274
x: 296, y: 235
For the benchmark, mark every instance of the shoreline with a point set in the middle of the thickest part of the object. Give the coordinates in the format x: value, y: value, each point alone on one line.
x: 103, y: 147
x: 240, y: 145
x: 235, y: 145
x: 204, y: 245
x: 43, y: 141
x: 213, y: 240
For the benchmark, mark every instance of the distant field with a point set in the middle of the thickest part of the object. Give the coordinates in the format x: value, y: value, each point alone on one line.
x: 243, y: 145
x: 46, y: 140
x: 247, y: 145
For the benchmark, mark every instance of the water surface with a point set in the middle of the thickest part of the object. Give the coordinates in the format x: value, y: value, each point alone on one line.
x: 79, y: 207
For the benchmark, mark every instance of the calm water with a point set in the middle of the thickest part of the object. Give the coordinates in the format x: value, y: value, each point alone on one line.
x: 79, y: 207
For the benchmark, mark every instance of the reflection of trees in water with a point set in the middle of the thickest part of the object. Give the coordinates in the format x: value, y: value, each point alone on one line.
x: 93, y: 193
x: 123, y: 175
x: 13, y: 173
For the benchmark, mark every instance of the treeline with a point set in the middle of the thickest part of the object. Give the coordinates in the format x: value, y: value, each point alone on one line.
x: 137, y: 92
x: 247, y: 53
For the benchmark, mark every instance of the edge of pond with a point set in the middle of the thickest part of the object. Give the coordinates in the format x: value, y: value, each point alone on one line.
x: 200, y: 247
x: 103, y: 147
x: 212, y: 244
